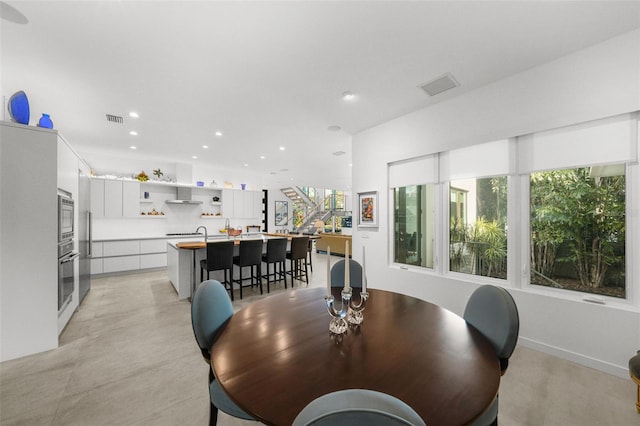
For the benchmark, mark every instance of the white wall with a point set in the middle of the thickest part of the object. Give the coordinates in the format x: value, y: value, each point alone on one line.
x: 597, y: 82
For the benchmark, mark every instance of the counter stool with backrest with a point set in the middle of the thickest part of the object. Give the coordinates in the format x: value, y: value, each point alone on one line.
x: 493, y: 312
x: 634, y: 372
x: 219, y: 258
x: 276, y: 255
x: 357, y: 407
x: 250, y: 254
x: 355, y: 274
x: 210, y: 309
x: 298, y: 257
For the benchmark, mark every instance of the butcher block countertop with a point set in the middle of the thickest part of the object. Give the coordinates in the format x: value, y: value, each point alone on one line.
x: 195, y: 245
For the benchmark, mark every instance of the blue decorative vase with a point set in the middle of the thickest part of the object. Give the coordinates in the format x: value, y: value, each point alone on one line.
x: 19, y: 107
x: 45, y: 121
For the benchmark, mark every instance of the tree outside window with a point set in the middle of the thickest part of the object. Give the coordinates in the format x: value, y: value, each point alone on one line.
x: 477, y: 229
x: 578, y: 229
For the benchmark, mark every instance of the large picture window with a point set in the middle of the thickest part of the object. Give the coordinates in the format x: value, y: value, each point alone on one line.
x: 477, y: 226
x: 578, y: 229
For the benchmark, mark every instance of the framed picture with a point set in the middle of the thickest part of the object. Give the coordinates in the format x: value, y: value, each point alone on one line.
x: 368, y: 209
x: 282, y: 213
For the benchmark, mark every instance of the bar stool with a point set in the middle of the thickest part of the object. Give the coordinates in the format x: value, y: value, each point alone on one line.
x: 250, y: 254
x: 298, y: 257
x: 219, y: 258
x: 276, y: 254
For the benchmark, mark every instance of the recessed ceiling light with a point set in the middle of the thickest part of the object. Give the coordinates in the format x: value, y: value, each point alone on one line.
x: 133, y: 133
x: 350, y: 165
x: 133, y: 114
x: 218, y: 133
x: 348, y: 96
x: 334, y: 128
x: 272, y: 173
x: 132, y: 147
x: 282, y: 148
x: 284, y: 170
x: 205, y: 146
x: 262, y: 157
x: 195, y: 157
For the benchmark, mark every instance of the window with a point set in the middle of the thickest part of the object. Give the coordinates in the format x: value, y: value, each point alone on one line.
x: 414, y: 225
x: 477, y: 228
x: 578, y: 229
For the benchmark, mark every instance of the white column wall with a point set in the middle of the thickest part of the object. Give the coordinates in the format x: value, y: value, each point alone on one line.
x: 594, y: 83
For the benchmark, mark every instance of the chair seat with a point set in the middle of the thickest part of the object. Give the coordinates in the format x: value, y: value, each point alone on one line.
x: 357, y: 407
x: 220, y: 399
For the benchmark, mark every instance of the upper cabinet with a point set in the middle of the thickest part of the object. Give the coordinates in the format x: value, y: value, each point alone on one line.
x: 115, y: 198
x: 241, y: 204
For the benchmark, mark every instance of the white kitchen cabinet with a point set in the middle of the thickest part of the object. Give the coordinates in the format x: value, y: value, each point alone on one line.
x: 28, y: 284
x: 157, y: 260
x: 130, y: 199
x: 228, y: 200
x: 97, y: 198
x: 96, y: 266
x: 120, y: 248
x: 128, y: 255
x: 120, y: 263
x: 153, y: 246
x: 96, y: 249
x: 112, y: 198
x: 115, y: 198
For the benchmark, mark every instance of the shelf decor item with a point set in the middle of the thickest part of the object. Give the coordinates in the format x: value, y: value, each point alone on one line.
x: 19, y: 107
x: 142, y: 176
x: 355, y: 311
x: 45, y: 122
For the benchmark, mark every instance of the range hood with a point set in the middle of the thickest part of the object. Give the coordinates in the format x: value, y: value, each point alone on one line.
x: 184, y: 197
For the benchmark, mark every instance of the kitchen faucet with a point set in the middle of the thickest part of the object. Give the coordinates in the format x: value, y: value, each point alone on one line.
x: 226, y: 224
x: 206, y: 234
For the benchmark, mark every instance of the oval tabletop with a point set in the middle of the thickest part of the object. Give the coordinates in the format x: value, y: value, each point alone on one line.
x: 277, y: 355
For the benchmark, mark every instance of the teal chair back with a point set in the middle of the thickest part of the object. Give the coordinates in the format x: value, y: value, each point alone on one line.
x: 210, y: 309
x: 494, y: 313
x: 357, y: 407
x: 355, y: 274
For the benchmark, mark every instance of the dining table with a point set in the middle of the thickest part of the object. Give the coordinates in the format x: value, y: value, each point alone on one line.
x: 276, y: 355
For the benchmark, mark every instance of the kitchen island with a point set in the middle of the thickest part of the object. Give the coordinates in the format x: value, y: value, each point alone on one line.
x: 184, y: 256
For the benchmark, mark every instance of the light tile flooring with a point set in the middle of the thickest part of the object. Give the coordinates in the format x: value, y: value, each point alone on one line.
x: 128, y: 357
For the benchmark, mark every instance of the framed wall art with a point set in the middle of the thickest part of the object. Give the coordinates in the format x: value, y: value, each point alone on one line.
x: 281, y: 213
x: 368, y: 209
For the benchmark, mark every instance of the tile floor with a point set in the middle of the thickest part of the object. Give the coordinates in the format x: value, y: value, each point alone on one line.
x: 128, y: 357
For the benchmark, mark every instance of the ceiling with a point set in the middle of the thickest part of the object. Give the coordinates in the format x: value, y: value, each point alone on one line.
x: 271, y: 74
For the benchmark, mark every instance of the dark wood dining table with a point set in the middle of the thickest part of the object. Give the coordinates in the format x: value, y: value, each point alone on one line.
x: 276, y: 355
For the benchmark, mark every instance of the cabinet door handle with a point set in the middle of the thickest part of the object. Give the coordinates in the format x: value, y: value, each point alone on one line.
x: 90, y: 233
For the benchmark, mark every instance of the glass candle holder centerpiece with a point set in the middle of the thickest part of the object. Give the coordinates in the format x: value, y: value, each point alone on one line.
x: 338, y: 324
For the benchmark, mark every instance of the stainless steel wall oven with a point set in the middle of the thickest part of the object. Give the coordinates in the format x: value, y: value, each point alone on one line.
x: 66, y: 255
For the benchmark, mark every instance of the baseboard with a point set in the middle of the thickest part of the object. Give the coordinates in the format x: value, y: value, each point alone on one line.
x: 606, y: 367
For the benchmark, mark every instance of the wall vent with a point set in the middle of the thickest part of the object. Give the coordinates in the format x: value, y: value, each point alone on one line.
x: 439, y: 85
x: 115, y: 119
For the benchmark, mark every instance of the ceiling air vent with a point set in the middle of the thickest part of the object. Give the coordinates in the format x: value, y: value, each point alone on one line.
x: 115, y: 119
x: 339, y: 153
x: 439, y: 85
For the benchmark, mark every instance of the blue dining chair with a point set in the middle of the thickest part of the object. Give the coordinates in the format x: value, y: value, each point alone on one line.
x: 210, y: 309
x: 357, y: 407
x: 355, y: 274
x: 493, y: 312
